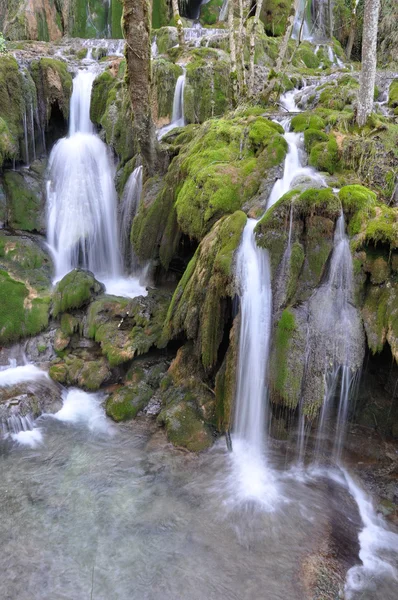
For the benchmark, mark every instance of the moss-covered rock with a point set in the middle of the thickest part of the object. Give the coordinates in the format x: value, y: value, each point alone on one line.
x: 199, y: 304
x: 305, y: 121
x: 210, y: 12
x: 166, y: 38
x: 325, y: 156
x: 207, y: 90
x: 22, y: 312
x: 11, y: 107
x: 393, y: 94
x: 75, y: 290
x: 127, y: 328
x: 274, y: 15
x: 165, y: 75
x: 226, y: 381
x: 54, y: 86
x: 127, y: 401
x: 338, y: 94
x: 81, y: 371
x: 25, y: 260
x: 25, y: 200
x: 110, y: 108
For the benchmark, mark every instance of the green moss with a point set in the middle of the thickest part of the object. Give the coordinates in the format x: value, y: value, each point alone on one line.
x: 21, y: 312
x: 305, y: 121
x: 184, y: 425
x: 383, y: 227
x: 25, y: 206
x: 102, y: 86
x: 306, y: 56
x: 69, y: 324
x: 313, y: 136
x: 53, y: 83
x: 165, y: 75
x: 11, y: 106
x: 393, y: 94
x: 126, y: 402
x: 23, y: 258
x: 198, y: 304
x: 339, y: 94
x: 210, y: 12
x: 166, y: 38
x: 325, y: 156
x: 274, y: 15
x: 75, y: 290
x: 82, y: 53
x: 296, y: 262
x: 286, y: 381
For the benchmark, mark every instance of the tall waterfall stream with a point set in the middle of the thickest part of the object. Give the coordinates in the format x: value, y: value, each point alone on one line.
x: 91, y: 510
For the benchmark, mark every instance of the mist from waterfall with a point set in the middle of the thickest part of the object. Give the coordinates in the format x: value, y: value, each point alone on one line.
x: 82, y: 225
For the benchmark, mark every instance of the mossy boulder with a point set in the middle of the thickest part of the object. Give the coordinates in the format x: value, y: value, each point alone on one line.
x: 11, y: 107
x: 54, y: 86
x: 78, y: 288
x: 210, y: 12
x: 219, y: 168
x: 82, y: 371
x: 338, y: 94
x: 225, y: 387
x: 26, y: 260
x: 207, y: 90
x: 306, y: 57
x: 166, y: 38
x: 165, y: 75
x: 25, y: 200
x: 200, y: 302
x: 22, y: 311
x: 127, y: 328
x: 110, y: 108
x: 393, y: 94
x: 380, y: 317
x: 306, y: 121
x: 274, y: 15
x: 325, y: 156
x: 127, y: 401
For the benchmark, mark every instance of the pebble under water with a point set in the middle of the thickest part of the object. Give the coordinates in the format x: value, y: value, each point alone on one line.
x: 98, y: 511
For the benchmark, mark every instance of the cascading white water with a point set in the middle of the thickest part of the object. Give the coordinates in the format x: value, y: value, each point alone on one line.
x: 253, y: 273
x: 81, y: 199
x: 177, y: 118
x: 301, y: 27
x: 128, y: 208
x: 338, y: 320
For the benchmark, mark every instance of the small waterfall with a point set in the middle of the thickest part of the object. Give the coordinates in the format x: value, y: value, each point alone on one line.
x: 254, y: 278
x: 81, y: 199
x: 301, y: 26
x: 224, y: 11
x: 128, y: 208
x: 337, y: 318
x: 177, y: 119
x: 154, y: 47
x: 26, y: 138
x: 32, y: 126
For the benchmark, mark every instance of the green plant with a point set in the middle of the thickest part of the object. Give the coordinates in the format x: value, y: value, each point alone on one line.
x: 3, y: 47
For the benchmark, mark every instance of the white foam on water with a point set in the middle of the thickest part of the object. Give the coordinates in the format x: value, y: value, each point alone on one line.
x: 31, y: 438
x: 81, y: 407
x: 378, y: 546
x: 128, y: 287
x: 14, y: 375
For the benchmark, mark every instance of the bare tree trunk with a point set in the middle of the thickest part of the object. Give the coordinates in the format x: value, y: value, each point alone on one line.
x: 353, y: 27
x: 241, y: 53
x: 232, y: 50
x: 253, y: 32
x: 369, y: 61
x: 178, y: 22
x: 136, y: 29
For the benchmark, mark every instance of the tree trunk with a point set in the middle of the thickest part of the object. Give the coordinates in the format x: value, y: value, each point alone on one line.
x: 353, y: 28
x: 241, y: 52
x: 369, y: 61
x: 178, y: 22
x: 253, y: 32
x: 136, y: 29
x: 232, y: 50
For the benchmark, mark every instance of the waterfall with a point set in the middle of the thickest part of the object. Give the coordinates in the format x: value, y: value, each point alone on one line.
x: 177, y: 118
x: 301, y: 25
x: 81, y: 199
x: 253, y: 274
x: 336, y: 317
x: 128, y: 208
x: 154, y: 47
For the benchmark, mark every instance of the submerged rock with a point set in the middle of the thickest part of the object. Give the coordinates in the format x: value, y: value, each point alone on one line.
x: 75, y: 290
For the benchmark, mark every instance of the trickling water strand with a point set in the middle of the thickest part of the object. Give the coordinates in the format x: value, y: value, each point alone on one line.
x: 337, y: 321
x: 128, y: 208
x: 154, y: 47
x: 32, y: 124
x: 26, y: 139
x: 177, y: 119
